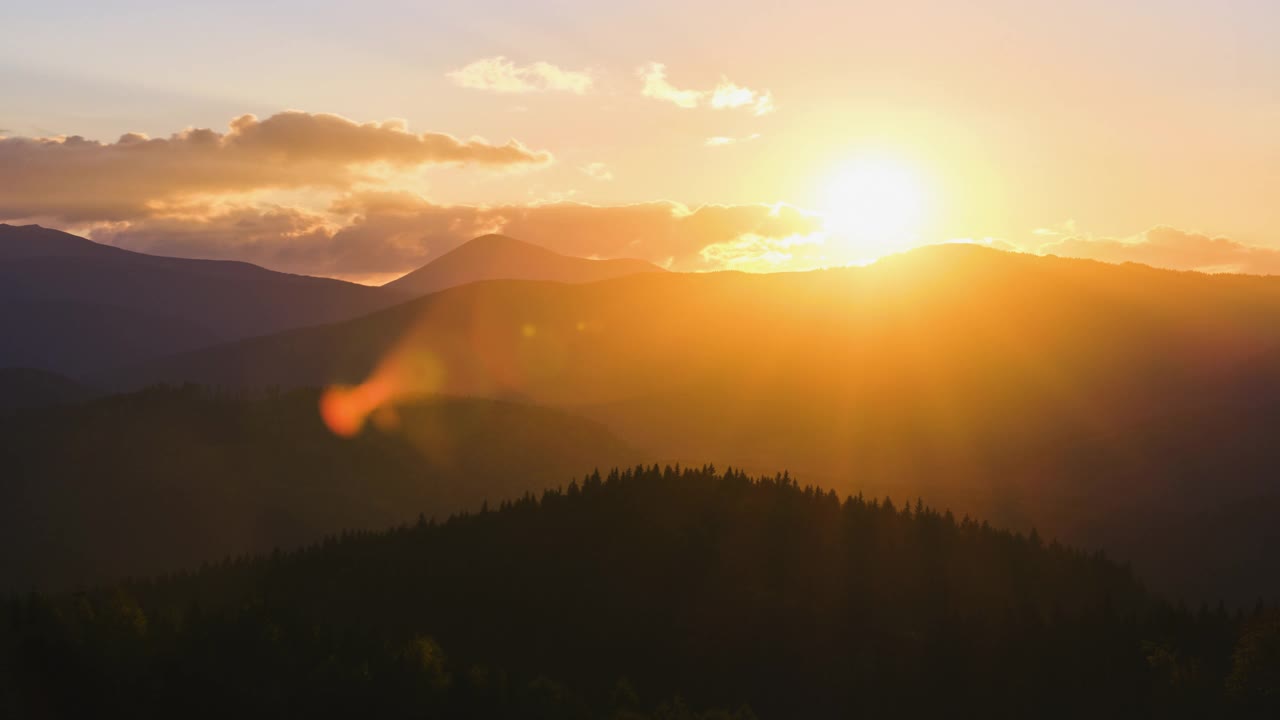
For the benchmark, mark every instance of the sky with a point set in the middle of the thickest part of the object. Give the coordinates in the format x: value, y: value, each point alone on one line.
x: 362, y: 141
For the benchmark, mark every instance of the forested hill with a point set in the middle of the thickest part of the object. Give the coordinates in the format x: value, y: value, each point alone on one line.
x: 616, y: 596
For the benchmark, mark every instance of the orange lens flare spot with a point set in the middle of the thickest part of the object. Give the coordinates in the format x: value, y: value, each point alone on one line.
x: 344, y: 409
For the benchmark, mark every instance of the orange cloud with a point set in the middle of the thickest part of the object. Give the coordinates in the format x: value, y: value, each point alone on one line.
x: 376, y: 233
x: 1168, y: 247
x: 73, y: 179
x: 760, y: 253
x: 282, y: 238
x: 662, y: 232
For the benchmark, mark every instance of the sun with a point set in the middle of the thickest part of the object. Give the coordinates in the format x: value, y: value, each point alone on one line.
x: 874, y: 205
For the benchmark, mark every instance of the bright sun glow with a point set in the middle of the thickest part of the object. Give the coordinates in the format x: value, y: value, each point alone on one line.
x: 874, y: 205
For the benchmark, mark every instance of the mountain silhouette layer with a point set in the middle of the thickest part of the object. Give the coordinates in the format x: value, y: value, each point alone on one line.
x: 1116, y: 406
x: 74, y: 306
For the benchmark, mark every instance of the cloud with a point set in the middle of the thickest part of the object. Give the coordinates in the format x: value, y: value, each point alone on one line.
x: 656, y: 86
x: 723, y: 140
x: 498, y: 74
x: 597, y: 171
x: 72, y: 179
x: 653, y: 231
x: 728, y: 95
x: 752, y: 252
x: 1065, y: 229
x: 1168, y: 247
x: 274, y: 236
x: 725, y: 95
x: 993, y: 243
x: 368, y: 234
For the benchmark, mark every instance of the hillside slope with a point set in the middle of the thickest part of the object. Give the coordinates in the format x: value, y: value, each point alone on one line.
x: 73, y: 306
x: 171, y: 477
x: 28, y: 389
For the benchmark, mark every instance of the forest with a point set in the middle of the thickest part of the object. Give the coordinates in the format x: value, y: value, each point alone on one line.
x: 660, y: 592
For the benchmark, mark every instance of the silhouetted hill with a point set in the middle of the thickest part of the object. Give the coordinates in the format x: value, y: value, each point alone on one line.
x: 74, y: 337
x: 169, y: 477
x: 74, y: 306
x: 497, y: 257
x: 615, y: 595
x: 1113, y: 405
x: 30, y: 388
x: 21, y: 242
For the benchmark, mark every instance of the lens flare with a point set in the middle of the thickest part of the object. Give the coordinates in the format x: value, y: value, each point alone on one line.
x: 463, y: 342
x: 406, y: 372
x: 344, y: 409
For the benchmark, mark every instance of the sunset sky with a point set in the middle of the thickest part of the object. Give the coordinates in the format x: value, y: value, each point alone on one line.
x: 360, y: 141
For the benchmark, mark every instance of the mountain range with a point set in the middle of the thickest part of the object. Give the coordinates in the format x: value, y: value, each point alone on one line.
x: 76, y: 307
x: 1036, y: 391
x: 1115, y: 406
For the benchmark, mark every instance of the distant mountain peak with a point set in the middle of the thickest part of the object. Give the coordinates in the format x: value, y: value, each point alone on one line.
x: 501, y: 257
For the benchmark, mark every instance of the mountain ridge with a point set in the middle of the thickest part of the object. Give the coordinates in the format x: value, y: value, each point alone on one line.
x: 65, y: 299
x: 52, y: 280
